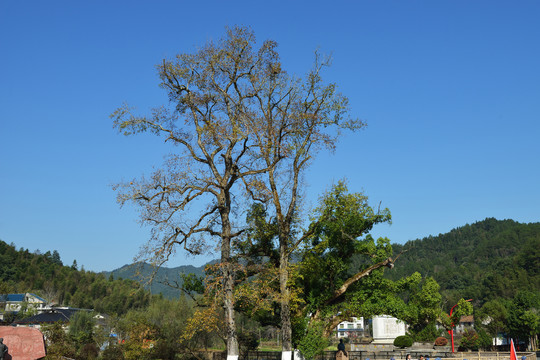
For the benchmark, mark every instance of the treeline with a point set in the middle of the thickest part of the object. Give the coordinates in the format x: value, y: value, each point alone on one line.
x: 22, y: 271
x: 483, y: 261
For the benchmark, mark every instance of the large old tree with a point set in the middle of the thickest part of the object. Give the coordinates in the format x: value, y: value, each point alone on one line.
x: 302, y: 116
x: 211, y: 122
x: 239, y: 125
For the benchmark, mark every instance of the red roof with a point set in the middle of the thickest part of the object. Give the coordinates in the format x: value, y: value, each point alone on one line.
x: 24, y: 343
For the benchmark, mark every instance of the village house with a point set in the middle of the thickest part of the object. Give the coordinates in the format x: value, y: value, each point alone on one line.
x: 13, y: 303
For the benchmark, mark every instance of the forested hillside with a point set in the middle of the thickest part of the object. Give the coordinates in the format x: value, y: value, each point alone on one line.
x: 165, y: 281
x: 22, y: 271
x: 482, y: 261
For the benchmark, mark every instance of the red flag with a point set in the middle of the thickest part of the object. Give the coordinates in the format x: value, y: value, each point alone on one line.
x: 513, y: 355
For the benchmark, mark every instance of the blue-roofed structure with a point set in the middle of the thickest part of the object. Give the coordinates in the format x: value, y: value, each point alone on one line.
x: 12, y: 297
x: 12, y: 303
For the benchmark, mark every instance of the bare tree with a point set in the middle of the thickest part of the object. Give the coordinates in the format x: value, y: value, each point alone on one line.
x: 302, y: 116
x: 211, y: 120
x: 236, y: 118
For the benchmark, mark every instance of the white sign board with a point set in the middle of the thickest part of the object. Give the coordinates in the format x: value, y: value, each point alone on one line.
x: 386, y: 329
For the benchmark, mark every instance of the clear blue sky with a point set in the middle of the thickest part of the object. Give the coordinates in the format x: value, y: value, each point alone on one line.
x: 450, y: 91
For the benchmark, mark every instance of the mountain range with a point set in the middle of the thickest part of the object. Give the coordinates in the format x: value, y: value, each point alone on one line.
x: 158, y: 280
x: 484, y: 260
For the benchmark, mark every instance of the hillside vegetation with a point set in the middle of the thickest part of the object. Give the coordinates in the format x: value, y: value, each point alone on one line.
x: 22, y: 271
x: 483, y: 261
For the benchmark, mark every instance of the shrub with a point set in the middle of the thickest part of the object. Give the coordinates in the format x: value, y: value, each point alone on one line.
x: 427, y: 334
x: 441, y: 341
x: 248, y: 341
x: 470, y: 340
x: 113, y: 352
x: 313, y: 343
x: 484, y: 340
x: 403, y: 341
x: 88, y: 352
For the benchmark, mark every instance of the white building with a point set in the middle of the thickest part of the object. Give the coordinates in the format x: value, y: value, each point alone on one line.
x: 353, y: 328
x: 13, y: 303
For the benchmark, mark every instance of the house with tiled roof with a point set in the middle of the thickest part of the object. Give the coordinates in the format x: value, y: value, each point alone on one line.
x: 13, y: 303
x: 49, y: 316
x: 465, y: 322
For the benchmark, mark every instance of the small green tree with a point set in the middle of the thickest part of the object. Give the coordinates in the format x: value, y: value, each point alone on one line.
x: 423, y: 308
x: 314, y: 341
x: 59, y: 344
x: 82, y: 328
x: 493, y: 316
x: 470, y: 340
x: 524, y: 317
x: 485, y: 341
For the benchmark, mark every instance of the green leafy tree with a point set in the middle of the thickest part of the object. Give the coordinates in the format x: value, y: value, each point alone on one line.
x: 330, y: 283
x: 493, y: 317
x: 523, y: 317
x: 424, y: 308
x: 314, y: 342
x: 161, y: 325
x: 82, y: 328
x: 470, y: 340
x: 463, y: 308
x: 59, y: 344
x: 55, y: 258
x: 485, y: 341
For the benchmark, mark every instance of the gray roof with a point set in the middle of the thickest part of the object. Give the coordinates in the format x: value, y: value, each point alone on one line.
x: 50, y: 316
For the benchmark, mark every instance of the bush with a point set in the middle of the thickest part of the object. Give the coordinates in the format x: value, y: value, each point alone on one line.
x: 313, y: 343
x: 470, y: 340
x: 403, y: 341
x: 441, y: 341
x: 248, y: 341
x: 484, y: 340
x: 427, y: 334
x: 113, y: 352
x: 88, y: 352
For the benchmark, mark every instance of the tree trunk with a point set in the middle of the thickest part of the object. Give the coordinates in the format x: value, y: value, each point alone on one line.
x: 286, y: 330
x: 228, y: 284
x: 232, y: 341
